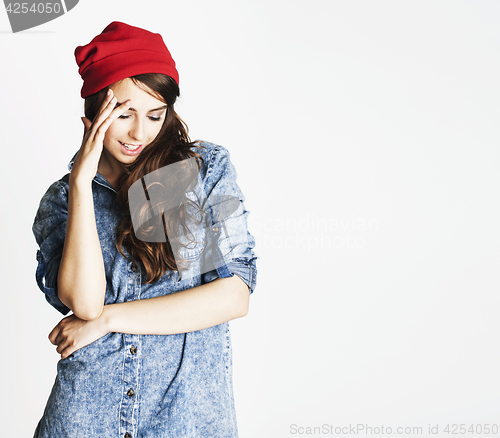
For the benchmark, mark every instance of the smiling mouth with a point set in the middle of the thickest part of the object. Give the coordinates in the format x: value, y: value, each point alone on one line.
x: 130, y: 147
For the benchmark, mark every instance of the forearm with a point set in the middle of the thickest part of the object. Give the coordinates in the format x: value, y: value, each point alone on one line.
x: 193, y: 309
x: 81, y: 280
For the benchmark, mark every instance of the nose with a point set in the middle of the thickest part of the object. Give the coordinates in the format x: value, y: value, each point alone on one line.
x: 137, y: 130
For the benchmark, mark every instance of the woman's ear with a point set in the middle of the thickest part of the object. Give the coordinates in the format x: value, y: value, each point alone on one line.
x: 86, y: 124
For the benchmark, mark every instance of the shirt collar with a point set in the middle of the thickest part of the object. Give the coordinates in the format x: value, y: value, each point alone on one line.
x: 99, y: 179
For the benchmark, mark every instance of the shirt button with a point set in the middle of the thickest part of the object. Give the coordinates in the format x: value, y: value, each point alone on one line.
x: 127, y: 435
x: 37, y: 255
x: 133, y: 350
x: 215, y: 229
x: 133, y: 267
x: 130, y: 392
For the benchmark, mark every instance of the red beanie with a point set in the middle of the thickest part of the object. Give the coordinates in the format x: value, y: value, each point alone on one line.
x: 119, y: 52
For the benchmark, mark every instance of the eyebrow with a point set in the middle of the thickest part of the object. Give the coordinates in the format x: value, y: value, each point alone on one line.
x: 150, y: 111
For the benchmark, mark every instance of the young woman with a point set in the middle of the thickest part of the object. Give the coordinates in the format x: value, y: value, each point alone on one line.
x: 146, y: 351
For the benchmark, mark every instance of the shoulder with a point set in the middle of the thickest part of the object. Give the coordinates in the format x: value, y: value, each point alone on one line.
x: 58, y: 189
x: 55, y: 200
x: 52, y: 209
x: 209, y: 151
x: 215, y: 157
x: 218, y: 174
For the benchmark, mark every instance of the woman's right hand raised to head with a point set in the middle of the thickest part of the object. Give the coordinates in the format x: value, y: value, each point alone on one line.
x: 87, y: 160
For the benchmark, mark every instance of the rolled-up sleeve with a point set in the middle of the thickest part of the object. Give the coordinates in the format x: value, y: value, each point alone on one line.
x: 232, y: 244
x: 49, y: 229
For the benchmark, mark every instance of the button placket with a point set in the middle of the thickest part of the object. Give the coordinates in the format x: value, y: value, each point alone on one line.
x: 128, y: 407
x: 129, y: 404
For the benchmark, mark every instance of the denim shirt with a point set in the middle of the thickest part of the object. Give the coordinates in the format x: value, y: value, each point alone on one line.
x: 129, y: 385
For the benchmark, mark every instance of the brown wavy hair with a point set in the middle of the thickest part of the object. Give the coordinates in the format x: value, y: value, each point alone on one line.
x: 171, y: 145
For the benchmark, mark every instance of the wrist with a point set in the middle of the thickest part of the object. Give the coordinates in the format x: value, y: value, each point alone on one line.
x: 79, y: 183
x: 107, y: 318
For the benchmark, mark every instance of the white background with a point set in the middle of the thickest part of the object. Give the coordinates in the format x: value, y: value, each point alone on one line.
x: 365, y: 136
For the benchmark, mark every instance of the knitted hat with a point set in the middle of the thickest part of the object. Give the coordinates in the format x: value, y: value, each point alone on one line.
x: 119, y: 52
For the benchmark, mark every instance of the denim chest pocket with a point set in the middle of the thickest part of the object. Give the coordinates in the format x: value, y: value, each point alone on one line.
x: 190, y: 259
x: 192, y: 252
x: 191, y: 247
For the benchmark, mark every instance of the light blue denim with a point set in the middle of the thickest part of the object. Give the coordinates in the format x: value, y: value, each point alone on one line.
x: 131, y: 386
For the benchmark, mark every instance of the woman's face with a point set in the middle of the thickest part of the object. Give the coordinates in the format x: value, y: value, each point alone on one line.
x: 135, y: 129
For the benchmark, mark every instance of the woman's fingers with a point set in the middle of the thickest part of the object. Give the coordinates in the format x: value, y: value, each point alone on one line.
x: 106, y: 108
x: 67, y: 352
x: 107, y: 117
x: 53, y: 334
x: 62, y: 341
x: 108, y: 101
x: 56, y: 332
x: 115, y: 113
x: 87, y: 160
x: 65, y: 346
x: 106, y: 104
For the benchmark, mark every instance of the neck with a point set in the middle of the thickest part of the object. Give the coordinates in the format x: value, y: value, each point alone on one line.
x: 111, y: 171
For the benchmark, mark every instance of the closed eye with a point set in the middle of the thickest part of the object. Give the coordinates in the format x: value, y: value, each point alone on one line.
x: 154, y: 119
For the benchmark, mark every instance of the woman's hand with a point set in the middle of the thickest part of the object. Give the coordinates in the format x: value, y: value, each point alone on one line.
x: 87, y: 159
x: 73, y: 333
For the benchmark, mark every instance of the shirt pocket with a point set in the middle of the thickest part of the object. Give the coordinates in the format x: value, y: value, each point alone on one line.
x: 191, y: 253
x: 189, y: 246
